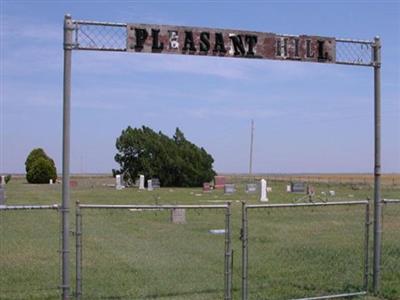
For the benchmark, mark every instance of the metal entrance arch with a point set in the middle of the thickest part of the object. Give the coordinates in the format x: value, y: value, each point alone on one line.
x: 123, y: 37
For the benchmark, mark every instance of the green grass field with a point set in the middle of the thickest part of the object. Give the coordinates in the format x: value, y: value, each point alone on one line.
x: 142, y: 255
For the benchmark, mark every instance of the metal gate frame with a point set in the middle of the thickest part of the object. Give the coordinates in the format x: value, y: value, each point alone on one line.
x: 245, y: 243
x: 352, y: 52
x: 228, y: 254
x: 37, y: 207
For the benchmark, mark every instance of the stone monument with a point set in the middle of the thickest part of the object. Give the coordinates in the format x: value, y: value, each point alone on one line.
x: 229, y: 188
x: 178, y: 216
x: 155, y: 182
x: 141, y: 182
x: 149, y: 185
x: 264, y: 197
x: 118, y: 184
x: 206, y: 187
x: 219, y: 182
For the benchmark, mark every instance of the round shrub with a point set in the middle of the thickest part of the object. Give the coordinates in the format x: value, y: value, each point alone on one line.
x: 33, y: 156
x: 41, y: 171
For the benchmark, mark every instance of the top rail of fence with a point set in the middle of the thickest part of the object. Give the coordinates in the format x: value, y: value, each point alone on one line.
x: 112, y: 36
x: 28, y: 207
x: 99, y: 23
x: 338, y: 203
x: 391, y: 201
x: 154, y: 207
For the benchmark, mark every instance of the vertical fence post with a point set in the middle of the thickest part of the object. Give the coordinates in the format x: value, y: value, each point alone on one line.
x: 228, y: 253
x: 244, y: 252
x: 377, y: 169
x: 68, y: 32
x: 366, y: 247
x: 78, y: 249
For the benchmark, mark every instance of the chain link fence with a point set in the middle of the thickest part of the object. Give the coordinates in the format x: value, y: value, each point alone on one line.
x: 100, y: 36
x: 137, y: 252
x: 29, y: 258
x: 390, y: 267
x: 293, y: 251
x: 354, y: 52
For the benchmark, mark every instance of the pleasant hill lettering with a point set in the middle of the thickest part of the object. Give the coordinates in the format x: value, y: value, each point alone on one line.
x: 165, y: 39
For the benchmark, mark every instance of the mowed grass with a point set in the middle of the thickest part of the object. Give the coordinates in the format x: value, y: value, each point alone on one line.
x: 142, y: 255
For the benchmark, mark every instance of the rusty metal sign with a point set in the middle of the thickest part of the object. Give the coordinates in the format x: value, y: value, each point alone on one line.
x: 229, y: 43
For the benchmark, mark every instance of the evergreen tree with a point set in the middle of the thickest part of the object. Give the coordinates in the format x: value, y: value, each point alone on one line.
x: 175, y: 161
x: 40, y: 168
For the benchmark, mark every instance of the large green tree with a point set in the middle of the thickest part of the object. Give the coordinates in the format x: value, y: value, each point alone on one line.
x: 40, y: 168
x: 175, y: 161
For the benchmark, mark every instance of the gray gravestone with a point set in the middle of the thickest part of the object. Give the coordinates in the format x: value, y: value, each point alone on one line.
x: 178, y: 216
x: 251, y: 188
x: 156, y: 183
x: 229, y: 188
x: 298, y: 187
x: 149, y: 185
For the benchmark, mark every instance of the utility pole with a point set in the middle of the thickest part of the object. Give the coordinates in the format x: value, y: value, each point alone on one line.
x: 251, y: 148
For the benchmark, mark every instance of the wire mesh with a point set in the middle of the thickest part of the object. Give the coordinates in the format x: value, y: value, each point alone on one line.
x: 390, y: 267
x: 29, y: 259
x: 142, y: 254
x: 94, y: 36
x: 354, y: 53
x: 305, y: 251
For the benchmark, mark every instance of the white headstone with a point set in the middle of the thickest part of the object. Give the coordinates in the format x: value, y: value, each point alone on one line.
x: 3, y: 180
x: 51, y: 181
x: 264, y: 197
x: 289, y: 188
x: 141, y: 182
x: 149, y: 185
x: 118, y: 184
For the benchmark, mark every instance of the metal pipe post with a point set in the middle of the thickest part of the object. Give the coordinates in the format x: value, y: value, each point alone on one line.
x: 68, y: 32
x: 78, y: 265
x: 244, y: 253
x: 228, y: 253
x: 366, y: 248
x: 251, y: 148
x: 377, y: 169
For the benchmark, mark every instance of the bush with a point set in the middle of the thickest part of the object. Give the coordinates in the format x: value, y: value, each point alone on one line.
x: 40, y: 168
x: 8, y: 178
x: 33, y: 156
x: 41, y: 171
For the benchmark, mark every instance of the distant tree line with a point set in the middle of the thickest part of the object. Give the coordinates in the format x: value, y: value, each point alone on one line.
x: 175, y: 161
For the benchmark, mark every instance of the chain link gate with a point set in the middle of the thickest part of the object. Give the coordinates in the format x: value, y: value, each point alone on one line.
x: 153, y: 257
x: 391, y: 249
x: 305, y: 250
x: 30, y: 246
x: 110, y: 36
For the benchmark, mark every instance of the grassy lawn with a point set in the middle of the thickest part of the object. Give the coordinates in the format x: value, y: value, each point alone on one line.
x: 142, y: 255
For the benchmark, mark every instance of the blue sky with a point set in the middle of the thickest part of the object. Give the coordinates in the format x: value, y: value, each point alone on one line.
x: 308, y: 117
